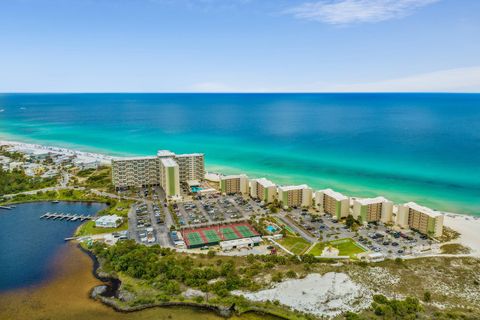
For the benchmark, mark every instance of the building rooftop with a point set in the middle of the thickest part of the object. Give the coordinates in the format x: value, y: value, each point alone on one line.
x: 422, y: 209
x: 289, y: 188
x: 265, y: 182
x: 107, y: 219
x: 211, y: 176
x: 134, y: 158
x: 169, y: 162
x: 368, y: 201
x: 234, y: 176
x: 185, y: 155
x: 334, y: 194
x: 165, y: 153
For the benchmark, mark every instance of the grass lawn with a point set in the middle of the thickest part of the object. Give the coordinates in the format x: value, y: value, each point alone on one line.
x: 297, y: 245
x: 346, y: 247
x: 118, y: 207
x: 284, y: 226
x: 88, y: 228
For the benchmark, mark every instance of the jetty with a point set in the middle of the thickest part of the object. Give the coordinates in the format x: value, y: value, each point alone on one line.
x: 65, y: 216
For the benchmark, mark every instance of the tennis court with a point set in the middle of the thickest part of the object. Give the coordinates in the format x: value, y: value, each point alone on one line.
x: 228, y: 233
x: 212, y: 235
x: 194, y: 239
x: 245, y: 231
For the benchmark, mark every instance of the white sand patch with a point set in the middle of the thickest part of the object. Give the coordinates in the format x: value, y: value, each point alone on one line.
x: 22, y: 147
x: 469, y: 228
x: 328, y: 295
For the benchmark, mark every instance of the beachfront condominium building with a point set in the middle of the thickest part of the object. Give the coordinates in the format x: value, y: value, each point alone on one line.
x: 263, y: 189
x: 191, y: 165
x: 372, y: 210
x: 170, y: 177
x: 422, y: 219
x: 332, y: 202
x: 145, y: 171
x: 295, y: 196
x: 234, y: 184
x: 135, y: 172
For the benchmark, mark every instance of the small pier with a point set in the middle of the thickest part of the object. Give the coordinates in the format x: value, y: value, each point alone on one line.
x: 65, y: 216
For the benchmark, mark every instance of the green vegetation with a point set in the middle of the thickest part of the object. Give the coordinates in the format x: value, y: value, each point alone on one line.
x: 100, y: 179
x: 160, y: 275
x: 284, y: 226
x: 88, y: 228
x: 296, y: 245
x: 408, y: 309
x: 346, y: 247
x: 16, y: 181
x: 118, y: 207
x: 448, y: 235
x: 15, y: 156
x: 454, y: 248
x: 62, y: 195
x: 396, y: 309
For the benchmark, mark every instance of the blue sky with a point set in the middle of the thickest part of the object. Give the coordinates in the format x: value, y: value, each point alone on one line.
x: 239, y: 45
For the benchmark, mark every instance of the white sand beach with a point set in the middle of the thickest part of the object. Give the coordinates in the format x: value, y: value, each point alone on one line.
x: 23, y: 147
x: 325, y: 295
x: 469, y: 228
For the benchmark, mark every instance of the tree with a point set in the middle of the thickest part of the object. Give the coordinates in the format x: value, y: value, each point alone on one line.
x: 350, y: 222
x: 427, y: 296
x: 211, y: 253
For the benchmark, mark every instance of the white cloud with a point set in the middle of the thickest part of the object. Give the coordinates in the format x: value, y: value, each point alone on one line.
x: 451, y: 80
x: 356, y: 11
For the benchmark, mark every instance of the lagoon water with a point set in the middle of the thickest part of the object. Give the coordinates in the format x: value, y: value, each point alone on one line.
x: 29, y: 244
x: 419, y: 147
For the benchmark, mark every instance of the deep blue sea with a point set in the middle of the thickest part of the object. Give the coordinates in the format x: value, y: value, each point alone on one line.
x: 419, y: 147
x: 28, y: 244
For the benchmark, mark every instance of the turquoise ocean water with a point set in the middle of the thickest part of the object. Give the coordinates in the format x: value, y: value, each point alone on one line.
x: 419, y: 147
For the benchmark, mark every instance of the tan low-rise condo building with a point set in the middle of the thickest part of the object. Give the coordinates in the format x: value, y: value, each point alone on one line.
x: 234, y: 184
x: 151, y: 171
x: 422, y: 219
x: 332, y: 202
x: 263, y: 189
x: 373, y: 210
x: 295, y: 196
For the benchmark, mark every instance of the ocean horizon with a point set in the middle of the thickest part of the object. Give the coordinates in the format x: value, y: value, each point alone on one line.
x: 406, y: 147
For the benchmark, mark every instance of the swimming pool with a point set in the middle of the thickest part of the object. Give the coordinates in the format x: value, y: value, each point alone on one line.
x: 271, y: 229
x: 195, y: 189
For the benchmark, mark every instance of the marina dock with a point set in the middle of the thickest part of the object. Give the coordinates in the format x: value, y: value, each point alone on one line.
x: 65, y: 216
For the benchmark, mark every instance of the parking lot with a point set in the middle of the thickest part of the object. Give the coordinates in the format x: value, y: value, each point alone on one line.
x: 213, y: 209
x: 147, y: 224
x: 374, y: 237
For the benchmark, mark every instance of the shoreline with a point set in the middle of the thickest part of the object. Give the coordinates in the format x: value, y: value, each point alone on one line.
x: 106, y: 160
x: 460, y: 222
x: 111, y: 285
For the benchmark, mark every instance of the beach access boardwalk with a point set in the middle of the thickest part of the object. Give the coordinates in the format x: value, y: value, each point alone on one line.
x: 66, y: 216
